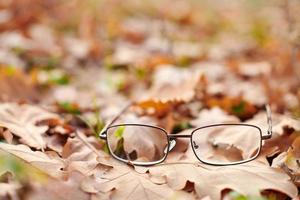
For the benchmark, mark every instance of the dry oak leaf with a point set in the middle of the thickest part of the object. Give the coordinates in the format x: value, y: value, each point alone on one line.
x: 79, y: 157
x: 247, y: 179
x: 38, y: 159
x: 122, y: 182
x: 21, y: 121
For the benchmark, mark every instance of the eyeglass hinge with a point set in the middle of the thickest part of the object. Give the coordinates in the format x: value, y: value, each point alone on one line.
x: 265, y: 137
x: 103, y: 135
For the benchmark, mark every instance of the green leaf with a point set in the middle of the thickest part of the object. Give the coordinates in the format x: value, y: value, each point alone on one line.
x: 63, y: 80
x: 120, y: 148
x: 105, y: 149
x: 119, y: 132
x: 53, y: 76
x: 239, y: 109
x: 69, y: 107
x: 236, y: 196
x: 181, y: 126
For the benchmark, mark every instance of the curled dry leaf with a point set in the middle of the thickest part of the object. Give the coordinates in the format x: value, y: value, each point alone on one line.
x: 21, y: 120
x: 49, y: 165
x: 211, y: 181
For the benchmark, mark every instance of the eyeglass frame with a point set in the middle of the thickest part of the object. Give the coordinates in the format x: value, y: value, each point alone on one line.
x: 103, y: 135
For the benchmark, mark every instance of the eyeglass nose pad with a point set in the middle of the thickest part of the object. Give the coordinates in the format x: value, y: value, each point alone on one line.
x: 171, y: 146
x: 196, y: 146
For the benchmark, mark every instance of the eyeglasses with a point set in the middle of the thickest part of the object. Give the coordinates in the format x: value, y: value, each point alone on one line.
x: 216, y: 144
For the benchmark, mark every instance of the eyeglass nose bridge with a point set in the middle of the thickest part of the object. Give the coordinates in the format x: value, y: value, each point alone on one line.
x: 170, y: 147
x: 172, y: 138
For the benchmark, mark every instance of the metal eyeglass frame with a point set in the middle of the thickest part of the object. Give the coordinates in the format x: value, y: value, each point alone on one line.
x: 171, y: 137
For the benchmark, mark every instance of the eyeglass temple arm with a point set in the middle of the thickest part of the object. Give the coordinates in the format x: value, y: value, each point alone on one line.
x: 102, y: 134
x: 269, y: 118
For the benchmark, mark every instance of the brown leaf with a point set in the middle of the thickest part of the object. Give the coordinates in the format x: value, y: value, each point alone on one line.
x: 249, y: 179
x: 21, y: 121
x: 235, y: 106
x: 56, y: 143
x: 283, y: 132
x: 157, y: 107
x: 123, y: 182
x: 51, y: 166
x: 16, y: 86
x: 79, y: 157
x: 290, y: 161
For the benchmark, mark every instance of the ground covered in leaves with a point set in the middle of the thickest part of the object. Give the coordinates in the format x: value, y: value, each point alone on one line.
x: 67, y: 67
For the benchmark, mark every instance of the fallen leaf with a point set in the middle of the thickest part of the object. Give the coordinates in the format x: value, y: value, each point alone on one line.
x: 211, y: 181
x: 79, y: 157
x: 290, y: 161
x: 125, y: 183
x: 49, y: 165
x: 21, y: 121
x: 157, y: 107
x: 15, y: 85
x: 235, y: 106
x: 56, y: 143
x: 283, y: 128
